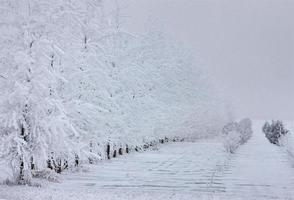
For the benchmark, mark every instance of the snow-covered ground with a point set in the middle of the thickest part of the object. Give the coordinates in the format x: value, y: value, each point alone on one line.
x: 200, y: 170
x: 260, y: 170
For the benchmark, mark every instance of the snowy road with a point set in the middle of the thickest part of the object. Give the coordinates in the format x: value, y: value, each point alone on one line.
x: 201, y: 170
x: 260, y: 170
x: 175, y: 167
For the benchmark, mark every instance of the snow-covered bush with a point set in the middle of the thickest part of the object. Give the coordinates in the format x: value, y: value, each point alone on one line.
x: 275, y: 131
x: 236, y: 134
x: 245, y: 129
x: 232, y: 141
x: 46, y: 174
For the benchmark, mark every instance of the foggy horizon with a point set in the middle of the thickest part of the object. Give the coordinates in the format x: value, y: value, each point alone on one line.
x: 247, y: 46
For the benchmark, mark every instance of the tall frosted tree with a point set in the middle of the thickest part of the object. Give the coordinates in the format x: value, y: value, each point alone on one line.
x: 33, y: 121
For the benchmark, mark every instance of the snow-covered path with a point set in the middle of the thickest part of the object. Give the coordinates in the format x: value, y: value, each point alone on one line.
x: 259, y: 170
x: 175, y: 167
x: 200, y: 170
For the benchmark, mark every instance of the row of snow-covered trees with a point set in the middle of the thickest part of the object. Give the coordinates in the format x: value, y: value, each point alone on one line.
x: 72, y: 81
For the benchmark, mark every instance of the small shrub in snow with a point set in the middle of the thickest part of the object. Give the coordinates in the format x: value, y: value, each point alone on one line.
x: 232, y: 141
x: 245, y: 129
x: 236, y: 134
x: 275, y: 131
x: 47, y: 174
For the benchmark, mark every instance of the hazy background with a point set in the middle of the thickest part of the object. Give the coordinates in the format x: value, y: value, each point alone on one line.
x: 247, y: 45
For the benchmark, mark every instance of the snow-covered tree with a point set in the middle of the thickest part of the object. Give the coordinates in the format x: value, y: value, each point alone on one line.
x: 236, y: 134
x: 33, y: 121
x: 275, y: 131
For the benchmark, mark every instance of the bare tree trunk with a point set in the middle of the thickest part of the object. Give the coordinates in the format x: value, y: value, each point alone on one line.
x: 76, y: 160
x: 91, y: 150
x: 108, y: 151
x: 21, y: 171
x: 21, y: 167
x: 114, y: 153
x: 127, y: 149
x: 120, y: 151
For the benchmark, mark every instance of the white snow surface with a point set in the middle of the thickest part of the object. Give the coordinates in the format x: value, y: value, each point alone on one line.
x: 199, y: 170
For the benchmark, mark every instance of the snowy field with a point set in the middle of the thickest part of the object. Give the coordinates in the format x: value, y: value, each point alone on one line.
x: 200, y: 170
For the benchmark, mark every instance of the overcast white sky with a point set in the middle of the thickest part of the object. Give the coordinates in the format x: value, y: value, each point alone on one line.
x: 247, y: 45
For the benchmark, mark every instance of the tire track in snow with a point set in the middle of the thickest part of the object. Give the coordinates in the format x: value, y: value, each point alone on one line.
x: 179, y: 167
